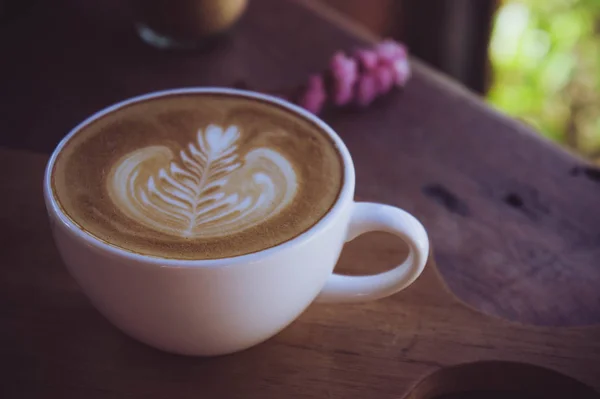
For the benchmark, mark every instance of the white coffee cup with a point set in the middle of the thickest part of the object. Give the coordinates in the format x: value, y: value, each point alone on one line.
x: 214, y: 307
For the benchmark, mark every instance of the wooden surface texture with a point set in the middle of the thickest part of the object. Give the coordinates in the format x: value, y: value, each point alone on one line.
x: 512, y: 220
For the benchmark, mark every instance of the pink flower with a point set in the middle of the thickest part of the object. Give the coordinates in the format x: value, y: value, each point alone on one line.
x: 314, y: 96
x: 344, y: 72
x: 394, y: 55
x: 401, y: 69
x: 366, y: 90
x: 367, y: 58
x: 384, y: 79
x: 390, y: 50
x: 358, y: 79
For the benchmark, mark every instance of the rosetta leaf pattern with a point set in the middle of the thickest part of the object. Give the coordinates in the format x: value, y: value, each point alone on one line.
x: 209, y: 190
x: 189, y: 192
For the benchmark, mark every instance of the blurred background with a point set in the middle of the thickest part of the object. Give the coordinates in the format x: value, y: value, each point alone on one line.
x: 535, y: 60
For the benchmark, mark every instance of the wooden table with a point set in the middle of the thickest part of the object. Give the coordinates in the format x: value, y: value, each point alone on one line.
x: 513, y: 219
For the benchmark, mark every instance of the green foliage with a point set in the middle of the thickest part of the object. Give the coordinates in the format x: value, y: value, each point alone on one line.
x: 545, y: 56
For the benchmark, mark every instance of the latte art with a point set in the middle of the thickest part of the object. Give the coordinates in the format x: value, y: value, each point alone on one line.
x: 210, y: 190
x: 197, y: 176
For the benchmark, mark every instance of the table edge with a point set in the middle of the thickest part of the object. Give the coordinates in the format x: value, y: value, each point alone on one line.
x: 355, y: 29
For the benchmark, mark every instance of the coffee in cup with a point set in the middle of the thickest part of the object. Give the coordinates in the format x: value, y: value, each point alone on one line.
x: 190, y: 176
x: 203, y: 221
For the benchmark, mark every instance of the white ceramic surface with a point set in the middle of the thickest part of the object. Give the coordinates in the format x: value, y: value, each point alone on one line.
x: 213, y: 307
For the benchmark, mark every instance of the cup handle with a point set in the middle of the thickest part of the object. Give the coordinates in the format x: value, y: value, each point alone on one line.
x: 367, y: 217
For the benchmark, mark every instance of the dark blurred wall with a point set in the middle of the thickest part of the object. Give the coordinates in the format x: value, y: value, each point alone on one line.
x: 450, y: 35
x: 376, y: 15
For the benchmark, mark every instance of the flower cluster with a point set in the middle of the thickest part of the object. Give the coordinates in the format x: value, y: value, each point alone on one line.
x: 356, y: 79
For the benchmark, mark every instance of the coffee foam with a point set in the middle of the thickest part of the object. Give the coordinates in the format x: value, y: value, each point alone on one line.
x: 211, y: 190
x: 198, y: 176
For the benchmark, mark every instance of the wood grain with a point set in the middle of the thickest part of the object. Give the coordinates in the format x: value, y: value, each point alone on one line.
x: 54, y: 344
x: 511, y: 216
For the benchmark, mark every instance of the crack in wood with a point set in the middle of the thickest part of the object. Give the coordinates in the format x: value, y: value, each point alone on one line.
x: 447, y: 199
x: 592, y: 174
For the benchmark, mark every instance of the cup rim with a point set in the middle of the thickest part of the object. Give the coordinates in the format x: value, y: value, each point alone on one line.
x: 345, y: 196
